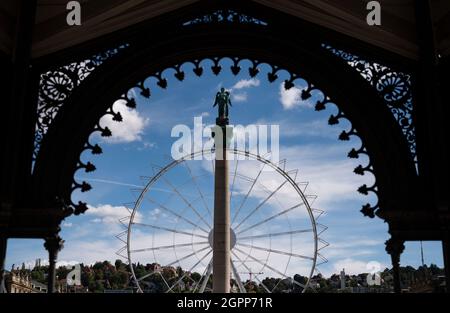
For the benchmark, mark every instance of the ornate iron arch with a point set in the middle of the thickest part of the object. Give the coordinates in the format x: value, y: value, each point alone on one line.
x: 214, y: 34
x: 382, y: 139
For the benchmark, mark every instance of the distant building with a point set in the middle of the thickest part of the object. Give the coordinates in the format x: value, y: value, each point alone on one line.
x: 16, y: 282
x: 342, y: 279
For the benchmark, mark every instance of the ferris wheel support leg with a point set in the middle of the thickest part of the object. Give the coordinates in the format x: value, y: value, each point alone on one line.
x: 206, y: 279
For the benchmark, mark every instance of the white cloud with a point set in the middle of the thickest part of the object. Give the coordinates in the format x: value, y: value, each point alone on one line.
x: 239, y: 97
x: 130, y: 129
x: 109, y: 216
x: 353, y: 266
x: 291, y: 98
x: 246, y: 83
x: 90, y: 251
x: 351, y: 246
x: 147, y: 146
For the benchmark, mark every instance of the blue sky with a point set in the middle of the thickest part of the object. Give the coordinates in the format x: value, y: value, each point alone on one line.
x: 144, y: 138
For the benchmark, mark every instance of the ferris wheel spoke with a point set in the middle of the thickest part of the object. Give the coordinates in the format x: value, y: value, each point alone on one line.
x: 176, y: 214
x: 234, y: 178
x: 248, y: 193
x: 185, y: 273
x: 261, y: 204
x: 187, y: 202
x: 189, y: 255
x: 169, y: 229
x: 276, y: 234
x: 147, y: 275
x: 275, y: 251
x: 238, y: 278
x: 249, y: 270
x: 205, y: 277
x: 270, y: 218
x: 170, y: 246
x: 198, y: 189
x: 273, y: 269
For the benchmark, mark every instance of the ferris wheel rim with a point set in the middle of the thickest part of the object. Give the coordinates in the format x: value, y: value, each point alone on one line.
x: 191, y: 156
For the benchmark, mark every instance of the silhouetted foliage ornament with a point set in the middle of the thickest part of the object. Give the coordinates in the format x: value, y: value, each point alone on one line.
x: 344, y: 136
x: 320, y: 105
x: 162, y: 83
x: 106, y: 132
x: 96, y: 149
x: 271, y: 77
x: 288, y: 84
x: 198, y: 71
x: 333, y: 120
x: 235, y: 69
x: 368, y: 211
x: 216, y: 69
x: 131, y: 103
x: 117, y: 117
x: 89, y: 167
x: 305, y: 94
x: 179, y: 75
x: 253, y: 71
x: 80, y: 208
x: 85, y: 187
x: 363, y: 190
x: 359, y: 170
x: 145, y: 92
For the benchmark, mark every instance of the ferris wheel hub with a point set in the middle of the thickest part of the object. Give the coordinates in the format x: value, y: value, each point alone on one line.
x: 232, y: 238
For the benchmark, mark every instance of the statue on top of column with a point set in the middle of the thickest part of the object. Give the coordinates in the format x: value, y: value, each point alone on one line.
x: 222, y: 101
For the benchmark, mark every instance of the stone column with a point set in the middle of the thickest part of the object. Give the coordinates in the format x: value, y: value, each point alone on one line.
x: 446, y: 256
x: 53, y: 245
x: 221, y: 239
x: 3, y: 245
x: 395, y: 248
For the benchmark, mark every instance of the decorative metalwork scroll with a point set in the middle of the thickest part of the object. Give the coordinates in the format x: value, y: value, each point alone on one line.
x: 394, y: 87
x: 225, y: 16
x: 57, y: 85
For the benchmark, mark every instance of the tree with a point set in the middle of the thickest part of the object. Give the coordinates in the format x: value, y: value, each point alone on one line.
x: 119, y: 265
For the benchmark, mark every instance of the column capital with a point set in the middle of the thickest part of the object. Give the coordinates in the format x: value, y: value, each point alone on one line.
x: 395, y: 246
x: 54, y: 243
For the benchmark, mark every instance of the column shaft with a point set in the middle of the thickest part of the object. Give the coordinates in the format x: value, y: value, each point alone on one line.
x: 221, y: 240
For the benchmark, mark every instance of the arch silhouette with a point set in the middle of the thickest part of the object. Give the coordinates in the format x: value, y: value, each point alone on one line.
x: 66, y: 139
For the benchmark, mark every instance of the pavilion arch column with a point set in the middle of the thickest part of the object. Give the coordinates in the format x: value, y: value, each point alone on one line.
x: 446, y: 257
x: 3, y: 246
x: 53, y: 245
x: 395, y: 247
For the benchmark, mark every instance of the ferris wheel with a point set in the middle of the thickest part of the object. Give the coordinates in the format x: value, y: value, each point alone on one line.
x: 274, y: 233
